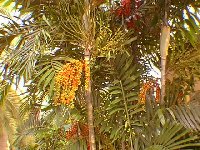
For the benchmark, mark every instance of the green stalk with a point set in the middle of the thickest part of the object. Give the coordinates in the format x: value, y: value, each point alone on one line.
x: 128, y: 118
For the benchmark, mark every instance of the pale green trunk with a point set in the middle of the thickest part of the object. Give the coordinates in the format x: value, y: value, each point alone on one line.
x: 164, y: 44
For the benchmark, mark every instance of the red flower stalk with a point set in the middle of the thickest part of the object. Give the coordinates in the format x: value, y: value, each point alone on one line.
x: 124, y: 9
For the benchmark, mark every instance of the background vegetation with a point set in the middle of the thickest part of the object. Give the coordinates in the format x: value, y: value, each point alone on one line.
x: 86, y: 69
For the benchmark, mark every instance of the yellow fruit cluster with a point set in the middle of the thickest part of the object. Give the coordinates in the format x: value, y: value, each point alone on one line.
x: 67, y: 82
x: 147, y: 86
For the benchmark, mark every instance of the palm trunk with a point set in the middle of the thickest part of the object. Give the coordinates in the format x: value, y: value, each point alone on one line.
x: 3, y: 140
x: 88, y: 96
x: 164, y: 44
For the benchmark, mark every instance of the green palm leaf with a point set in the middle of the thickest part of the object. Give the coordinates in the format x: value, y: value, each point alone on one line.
x: 187, y: 115
x: 122, y: 99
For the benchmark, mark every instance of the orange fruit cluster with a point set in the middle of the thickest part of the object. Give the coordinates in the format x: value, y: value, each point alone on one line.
x: 158, y: 92
x: 67, y: 82
x: 147, y: 86
x: 84, y: 130
x: 73, y: 132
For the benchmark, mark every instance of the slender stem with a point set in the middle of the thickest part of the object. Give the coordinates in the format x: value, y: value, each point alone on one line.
x: 88, y: 96
x: 165, y: 19
x: 122, y: 142
x: 127, y: 114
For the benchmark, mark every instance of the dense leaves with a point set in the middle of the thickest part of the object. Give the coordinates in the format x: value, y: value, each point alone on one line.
x: 123, y: 37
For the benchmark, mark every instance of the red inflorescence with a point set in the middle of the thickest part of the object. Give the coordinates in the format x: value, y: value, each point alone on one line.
x: 158, y: 90
x: 84, y: 130
x: 146, y: 87
x: 124, y: 9
x: 126, y: 4
x: 131, y: 16
x: 78, y: 130
x: 137, y: 4
x: 130, y: 24
x: 72, y: 132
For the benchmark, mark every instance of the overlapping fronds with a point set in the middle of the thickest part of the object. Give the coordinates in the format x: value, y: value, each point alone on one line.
x: 171, y: 136
x: 55, y: 28
x: 121, y: 99
x: 187, y: 115
x: 159, y: 132
x: 46, y: 69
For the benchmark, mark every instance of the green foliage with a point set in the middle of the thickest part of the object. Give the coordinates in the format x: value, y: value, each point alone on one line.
x: 187, y: 115
x: 46, y: 69
x: 158, y: 131
x: 170, y: 137
x: 54, y: 32
x: 47, y: 132
x: 117, y: 117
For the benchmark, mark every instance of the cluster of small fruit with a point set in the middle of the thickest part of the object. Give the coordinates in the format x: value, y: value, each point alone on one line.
x: 67, y: 82
x: 84, y: 130
x: 130, y: 14
x: 158, y: 92
x: 150, y: 85
x: 72, y: 132
x: 77, y: 130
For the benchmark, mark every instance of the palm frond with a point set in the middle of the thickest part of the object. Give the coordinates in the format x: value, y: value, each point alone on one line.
x: 187, y: 115
x: 122, y: 98
x: 160, y: 132
x: 171, y: 137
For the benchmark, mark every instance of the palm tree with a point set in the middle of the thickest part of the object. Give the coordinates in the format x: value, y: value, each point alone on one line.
x: 55, y: 33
